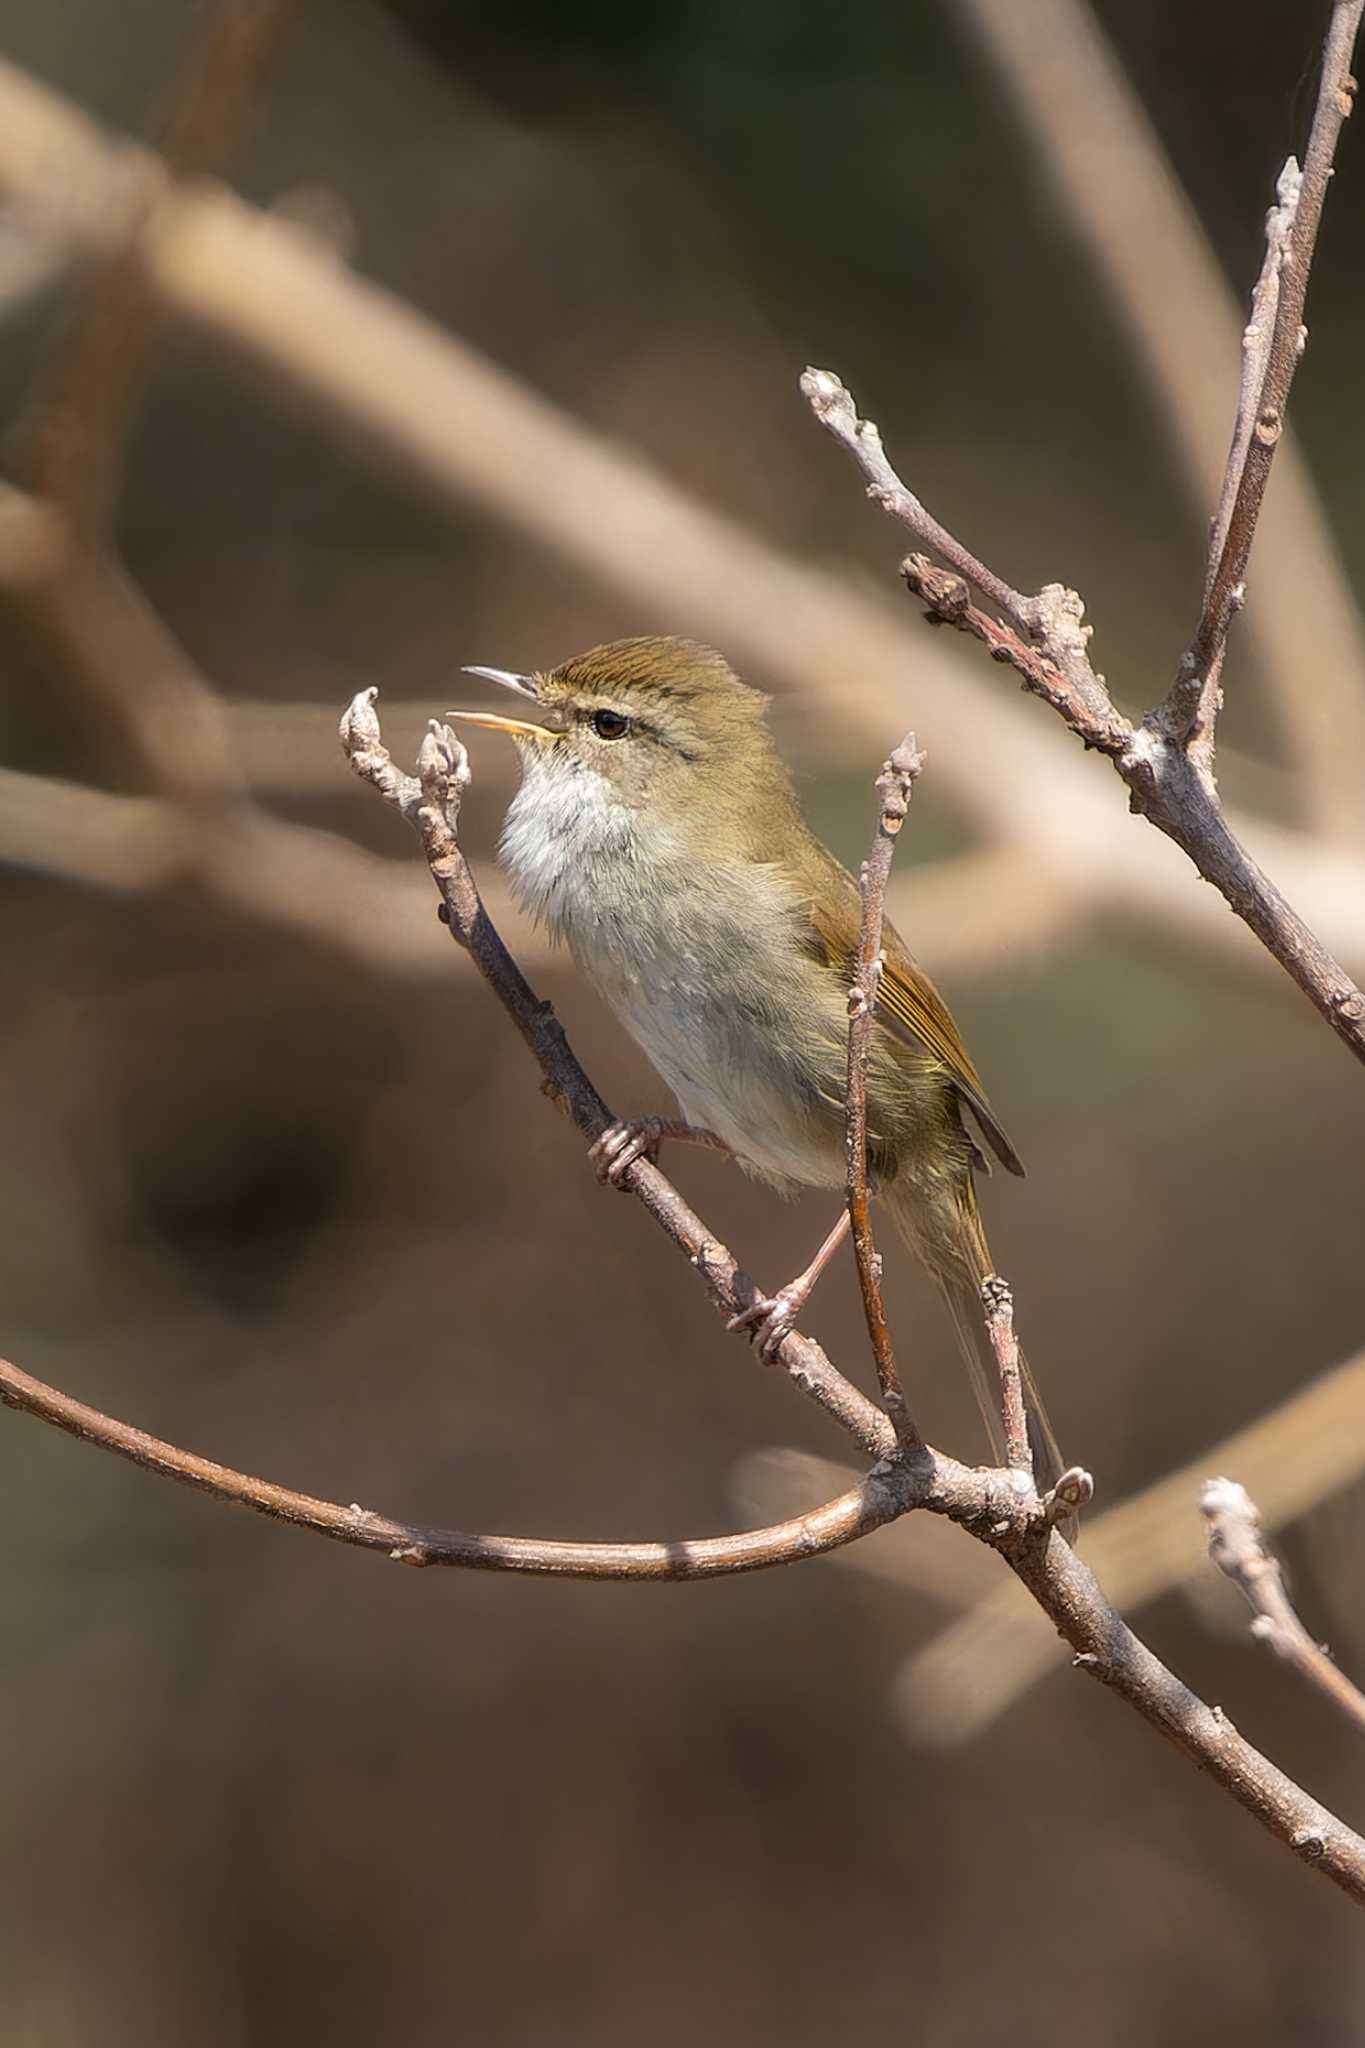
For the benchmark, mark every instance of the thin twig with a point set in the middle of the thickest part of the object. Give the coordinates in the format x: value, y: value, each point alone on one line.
x: 833, y: 406
x: 1257, y: 336
x: 1098, y: 723
x: 998, y: 1302
x: 1237, y: 1547
x: 876, y: 1500
x: 1053, y: 618
x: 1117, y: 188
x: 894, y: 786
x: 1191, y: 702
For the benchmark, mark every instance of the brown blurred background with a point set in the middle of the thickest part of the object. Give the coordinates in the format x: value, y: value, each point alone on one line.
x: 276, y: 1180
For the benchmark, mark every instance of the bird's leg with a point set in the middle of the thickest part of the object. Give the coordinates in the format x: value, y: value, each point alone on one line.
x: 621, y: 1144
x: 771, y: 1317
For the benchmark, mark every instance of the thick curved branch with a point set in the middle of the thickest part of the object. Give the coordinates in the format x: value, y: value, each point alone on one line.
x: 1063, y: 1586
x: 878, y: 1499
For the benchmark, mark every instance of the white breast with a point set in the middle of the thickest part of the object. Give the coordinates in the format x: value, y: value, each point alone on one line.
x: 564, y: 836
x: 624, y: 900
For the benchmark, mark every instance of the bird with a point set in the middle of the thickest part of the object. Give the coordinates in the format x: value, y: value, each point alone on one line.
x: 656, y: 834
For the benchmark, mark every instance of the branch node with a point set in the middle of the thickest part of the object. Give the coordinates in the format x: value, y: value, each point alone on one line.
x: 364, y: 748
x: 443, y: 770
x: 1075, y: 1489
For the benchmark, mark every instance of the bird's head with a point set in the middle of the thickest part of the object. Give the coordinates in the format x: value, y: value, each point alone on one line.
x: 665, y: 724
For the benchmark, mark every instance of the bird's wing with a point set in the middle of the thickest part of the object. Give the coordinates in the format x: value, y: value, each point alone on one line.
x: 908, y: 1005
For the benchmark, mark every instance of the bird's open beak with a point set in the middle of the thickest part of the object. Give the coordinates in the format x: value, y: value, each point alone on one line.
x: 519, y: 728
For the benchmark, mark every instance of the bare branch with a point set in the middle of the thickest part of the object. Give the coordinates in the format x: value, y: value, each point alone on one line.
x: 894, y: 787
x: 1237, y: 1547
x: 1167, y: 784
x: 877, y: 1499
x: 1053, y: 618
x: 1106, y: 1648
x: 1094, y: 720
x: 1256, y: 340
x: 1115, y: 182
x: 833, y: 406
x: 1191, y: 705
x: 998, y: 1303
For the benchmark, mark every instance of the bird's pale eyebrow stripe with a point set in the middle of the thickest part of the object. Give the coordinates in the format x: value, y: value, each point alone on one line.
x: 646, y: 728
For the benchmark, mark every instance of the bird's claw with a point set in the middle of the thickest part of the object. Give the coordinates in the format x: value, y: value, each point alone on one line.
x: 621, y: 1144
x: 769, y: 1319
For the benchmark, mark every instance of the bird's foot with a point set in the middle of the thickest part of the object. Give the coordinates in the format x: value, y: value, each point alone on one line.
x: 621, y: 1144
x: 771, y: 1317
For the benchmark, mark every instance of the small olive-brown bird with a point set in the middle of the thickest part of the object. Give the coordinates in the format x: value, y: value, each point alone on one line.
x: 656, y: 833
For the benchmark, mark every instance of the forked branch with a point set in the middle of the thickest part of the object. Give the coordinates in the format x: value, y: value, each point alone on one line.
x: 986, y: 1503
x: 1167, y: 761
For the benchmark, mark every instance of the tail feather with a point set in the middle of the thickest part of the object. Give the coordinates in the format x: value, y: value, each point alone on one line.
x: 947, y: 1233
x: 964, y: 1305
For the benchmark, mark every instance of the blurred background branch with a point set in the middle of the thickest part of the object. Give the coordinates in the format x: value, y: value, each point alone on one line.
x: 69, y: 443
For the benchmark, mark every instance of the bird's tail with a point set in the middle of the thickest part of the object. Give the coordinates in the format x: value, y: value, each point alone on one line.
x: 944, y: 1227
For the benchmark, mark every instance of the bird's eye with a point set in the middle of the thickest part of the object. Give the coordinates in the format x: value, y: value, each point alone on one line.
x: 610, y: 725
